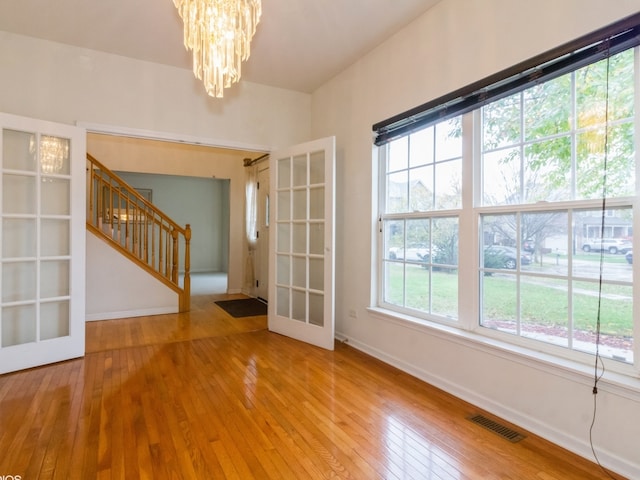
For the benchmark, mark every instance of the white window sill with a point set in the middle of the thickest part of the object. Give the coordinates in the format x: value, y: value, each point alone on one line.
x: 626, y: 385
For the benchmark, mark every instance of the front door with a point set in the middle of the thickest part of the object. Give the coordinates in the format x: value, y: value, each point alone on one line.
x: 301, y: 267
x: 262, y: 249
x: 42, y: 242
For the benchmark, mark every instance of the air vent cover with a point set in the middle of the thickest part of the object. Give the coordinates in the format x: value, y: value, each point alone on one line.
x: 502, y: 430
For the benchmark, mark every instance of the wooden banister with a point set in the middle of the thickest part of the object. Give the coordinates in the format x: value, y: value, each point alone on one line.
x: 138, y: 229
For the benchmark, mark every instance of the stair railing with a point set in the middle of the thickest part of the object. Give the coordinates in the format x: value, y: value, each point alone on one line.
x: 123, y: 217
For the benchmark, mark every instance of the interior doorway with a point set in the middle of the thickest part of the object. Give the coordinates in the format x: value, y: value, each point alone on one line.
x: 126, y: 151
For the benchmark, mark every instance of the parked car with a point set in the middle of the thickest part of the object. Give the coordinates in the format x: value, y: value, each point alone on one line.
x: 500, y: 256
x: 414, y: 253
x: 528, y: 246
x: 629, y: 257
x: 611, y: 245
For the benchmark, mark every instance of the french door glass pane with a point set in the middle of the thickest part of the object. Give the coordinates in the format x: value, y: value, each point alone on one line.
x: 18, y: 281
x: 54, y: 320
x: 299, y: 237
x: 316, y: 168
x: 316, y: 309
x: 299, y: 272
x: 55, y: 237
x: 316, y: 273
x: 55, y: 196
x: 18, y: 237
x: 299, y: 170
x: 283, y: 263
x: 282, y: 301
x: 54, y: 278
x: 284, y: 206
x: 284, y: 173
x: 298, y: 305
x: 54, y: 155
x: 316, y: 202
x: 19, y: 194
x: 18, y: 150
x: 284, y: 239
x: 299, y: 204
x: 18, y: 325
x: 316, y: 238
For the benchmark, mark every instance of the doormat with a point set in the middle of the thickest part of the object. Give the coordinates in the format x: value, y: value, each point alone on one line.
x: 244, y: 307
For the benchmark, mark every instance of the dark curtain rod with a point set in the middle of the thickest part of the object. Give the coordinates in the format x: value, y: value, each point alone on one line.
x: 249, y: 162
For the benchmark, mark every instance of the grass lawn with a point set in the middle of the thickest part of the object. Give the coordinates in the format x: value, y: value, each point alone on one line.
x: 543, y: 301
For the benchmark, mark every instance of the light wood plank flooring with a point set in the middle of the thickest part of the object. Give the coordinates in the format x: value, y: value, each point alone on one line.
x: 204, y: 396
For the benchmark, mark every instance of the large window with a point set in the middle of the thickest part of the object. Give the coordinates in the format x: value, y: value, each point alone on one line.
x: 554, y: 259
x: 422, y: 185
x: 547, y: 210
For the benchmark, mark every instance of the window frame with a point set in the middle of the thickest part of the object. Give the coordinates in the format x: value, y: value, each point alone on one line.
x: 469, y: 216
x: 430, y: 215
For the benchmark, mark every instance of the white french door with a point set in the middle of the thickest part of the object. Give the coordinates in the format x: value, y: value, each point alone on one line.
x: 42, y: 242
x: 301, y: 266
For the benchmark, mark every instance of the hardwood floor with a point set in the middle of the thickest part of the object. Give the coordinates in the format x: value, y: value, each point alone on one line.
x: 205, y: 396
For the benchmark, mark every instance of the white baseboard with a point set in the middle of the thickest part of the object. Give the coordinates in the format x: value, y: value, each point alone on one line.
x: 93, y: 317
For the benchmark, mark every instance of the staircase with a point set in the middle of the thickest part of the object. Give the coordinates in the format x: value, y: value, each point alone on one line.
x: 118, y: 214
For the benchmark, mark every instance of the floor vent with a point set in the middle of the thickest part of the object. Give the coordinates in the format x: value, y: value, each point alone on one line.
x: 495, y: 427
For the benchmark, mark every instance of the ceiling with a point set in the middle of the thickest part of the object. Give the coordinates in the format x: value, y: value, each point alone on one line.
x: 299, y: 44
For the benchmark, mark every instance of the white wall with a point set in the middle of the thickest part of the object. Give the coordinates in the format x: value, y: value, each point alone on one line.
x: 199, y: 202
x: 57, y: 82
x: 52, y: 81
x: 118, y: 288
x: 455, y: 43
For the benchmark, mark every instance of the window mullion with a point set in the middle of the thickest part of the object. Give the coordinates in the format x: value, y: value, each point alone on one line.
x: 468, y: 305
x: 636, y: 217
x: 574, y: 137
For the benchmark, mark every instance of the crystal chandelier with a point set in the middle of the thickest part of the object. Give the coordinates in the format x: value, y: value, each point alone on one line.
x: 219, y: 33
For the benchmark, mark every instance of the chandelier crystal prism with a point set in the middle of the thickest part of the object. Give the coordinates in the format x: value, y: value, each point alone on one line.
x: 219, y: 34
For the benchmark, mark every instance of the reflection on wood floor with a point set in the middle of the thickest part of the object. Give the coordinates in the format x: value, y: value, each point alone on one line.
x: 202, y: 395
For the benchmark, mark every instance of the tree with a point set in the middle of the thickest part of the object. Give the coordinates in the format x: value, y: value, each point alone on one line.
x: 541, y: 119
